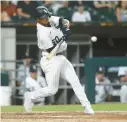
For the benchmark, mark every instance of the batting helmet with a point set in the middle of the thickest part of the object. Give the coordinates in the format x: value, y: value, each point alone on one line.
x: 43, y: 12
x: 101, y: 70
x: 33, y: 68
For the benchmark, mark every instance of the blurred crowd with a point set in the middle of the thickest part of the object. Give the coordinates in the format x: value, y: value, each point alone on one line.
x: 75, y: 11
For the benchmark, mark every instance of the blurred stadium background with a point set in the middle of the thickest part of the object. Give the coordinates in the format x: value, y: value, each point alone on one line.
x: 107, y: 20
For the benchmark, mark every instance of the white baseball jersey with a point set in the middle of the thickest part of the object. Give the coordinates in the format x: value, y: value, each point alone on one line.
x: 48, y: 36
x: 123, y: 90
x: 57, y: 67
x: 122, y: 71
x: 102, y: 91
x: 123, y: 94
x: 32, y: 85
x: 23, y: 72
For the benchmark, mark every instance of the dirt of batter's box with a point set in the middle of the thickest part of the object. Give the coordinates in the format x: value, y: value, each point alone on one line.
x: 64, y: 117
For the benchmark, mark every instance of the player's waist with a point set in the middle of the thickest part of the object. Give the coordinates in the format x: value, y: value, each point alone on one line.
x: 46, y: 53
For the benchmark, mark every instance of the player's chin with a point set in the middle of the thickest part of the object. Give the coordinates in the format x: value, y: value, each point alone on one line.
x: 43, y: 21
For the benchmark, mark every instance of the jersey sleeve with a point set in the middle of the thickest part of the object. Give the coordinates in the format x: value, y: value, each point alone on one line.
x: 122, y: 71
x: 54, y: 21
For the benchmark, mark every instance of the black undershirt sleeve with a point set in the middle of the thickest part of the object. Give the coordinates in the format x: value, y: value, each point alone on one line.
x: 60, y: 23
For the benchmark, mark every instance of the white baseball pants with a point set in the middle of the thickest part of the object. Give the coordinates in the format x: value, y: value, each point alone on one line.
x: 55, y: 68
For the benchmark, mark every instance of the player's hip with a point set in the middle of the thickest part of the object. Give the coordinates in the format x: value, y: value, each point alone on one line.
x: 46, y: 53
x: 55, y: 63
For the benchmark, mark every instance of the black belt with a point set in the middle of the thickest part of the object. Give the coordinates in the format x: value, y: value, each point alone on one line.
x: 60, y: 53
x: 50, y: 49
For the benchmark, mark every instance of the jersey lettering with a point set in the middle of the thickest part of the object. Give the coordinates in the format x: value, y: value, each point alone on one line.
x: 56, y: 40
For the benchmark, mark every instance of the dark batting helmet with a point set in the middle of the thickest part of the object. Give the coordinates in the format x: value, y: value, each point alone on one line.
x: 101, y: 70
x: 43, y: 12
x: 33, y: 68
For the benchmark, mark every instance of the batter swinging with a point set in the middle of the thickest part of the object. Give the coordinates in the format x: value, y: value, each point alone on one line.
x: 50, y: 30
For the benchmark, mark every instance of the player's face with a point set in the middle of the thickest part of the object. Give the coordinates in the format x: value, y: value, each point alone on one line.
x: 100, y: 77
x: 34, y: 75
x: 43, y: 21
x: 81, y: 9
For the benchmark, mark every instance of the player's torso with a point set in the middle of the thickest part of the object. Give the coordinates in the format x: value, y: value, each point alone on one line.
x: 55, y: 34
x: 100, y: 89
x: 51, y: 36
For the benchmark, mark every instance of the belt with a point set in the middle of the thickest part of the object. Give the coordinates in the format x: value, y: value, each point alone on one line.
x: 45, y: 53
x: 60, y: 53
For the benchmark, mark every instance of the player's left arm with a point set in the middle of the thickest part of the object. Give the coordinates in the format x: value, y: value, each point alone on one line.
x: 64, y: 25
x: 59, y: 22
x: 64, y: 22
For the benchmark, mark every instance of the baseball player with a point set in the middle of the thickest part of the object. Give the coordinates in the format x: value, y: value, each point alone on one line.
x: 50, y: 30
x: 23, y: 72
x: 33, y: 82
x: 122, y: 73
x: 102, y: 91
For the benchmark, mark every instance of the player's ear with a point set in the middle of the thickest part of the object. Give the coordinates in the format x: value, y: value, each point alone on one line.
x: 39, y: 20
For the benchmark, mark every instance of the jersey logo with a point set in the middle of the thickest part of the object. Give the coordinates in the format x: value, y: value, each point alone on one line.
x: 56, y: 40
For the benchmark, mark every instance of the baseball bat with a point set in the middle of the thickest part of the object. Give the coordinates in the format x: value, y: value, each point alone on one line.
x: 61, y: 40
x: 53, y: 52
